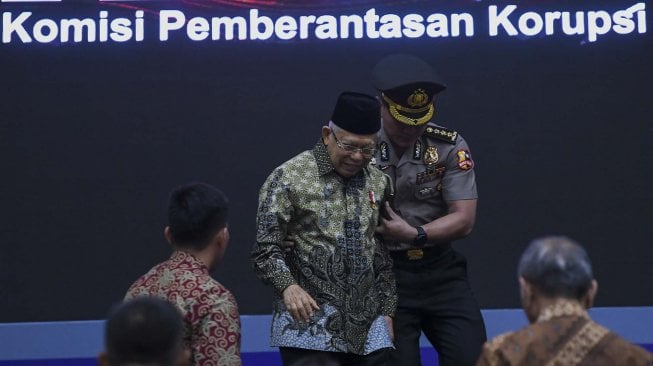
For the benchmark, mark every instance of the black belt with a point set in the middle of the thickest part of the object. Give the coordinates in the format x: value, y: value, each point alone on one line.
x: 418, y: 255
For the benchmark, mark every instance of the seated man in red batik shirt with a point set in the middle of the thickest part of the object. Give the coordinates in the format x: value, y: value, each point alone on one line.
x: 197, y: 229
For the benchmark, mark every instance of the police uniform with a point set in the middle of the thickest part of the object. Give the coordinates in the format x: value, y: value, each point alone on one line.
x: 433, y: 290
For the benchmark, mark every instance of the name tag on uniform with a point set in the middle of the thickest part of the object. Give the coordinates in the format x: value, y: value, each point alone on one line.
x: 426, y: 191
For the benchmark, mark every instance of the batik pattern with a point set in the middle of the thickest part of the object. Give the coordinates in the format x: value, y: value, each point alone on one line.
x: 337, y: 258
x: 210, y: 311
x: 563, y: 335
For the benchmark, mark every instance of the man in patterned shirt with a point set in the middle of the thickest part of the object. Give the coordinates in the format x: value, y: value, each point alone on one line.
x: 335, y: 291
x: 197, y: 229
x: 557, y: 287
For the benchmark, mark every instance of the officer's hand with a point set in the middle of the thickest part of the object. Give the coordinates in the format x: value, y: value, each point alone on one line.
x: 288, y: 243
x: 395, y: 228
x: 391, y: 329
x: 299, y: 303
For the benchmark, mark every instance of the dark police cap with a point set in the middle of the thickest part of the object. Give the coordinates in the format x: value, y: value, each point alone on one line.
x: 357, y: 113
x: 408, y: 85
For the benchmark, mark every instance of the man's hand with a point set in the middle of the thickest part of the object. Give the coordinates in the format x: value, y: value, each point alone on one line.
x: 299, y: 303
x: 395, y: 228
x: 288, y: 243
x: 391, y: 329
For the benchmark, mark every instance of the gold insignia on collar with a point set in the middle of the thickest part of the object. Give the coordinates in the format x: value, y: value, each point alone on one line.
x: 418, y: 98
x: 431, y: 155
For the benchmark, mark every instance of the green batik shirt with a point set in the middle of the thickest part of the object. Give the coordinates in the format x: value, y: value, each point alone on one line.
x: 336, y: 259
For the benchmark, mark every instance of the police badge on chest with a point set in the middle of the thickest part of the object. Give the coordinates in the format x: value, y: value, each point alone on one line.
x: 430, y: 157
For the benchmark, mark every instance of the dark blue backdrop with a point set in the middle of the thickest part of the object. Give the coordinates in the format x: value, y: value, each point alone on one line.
x: 93, y: 136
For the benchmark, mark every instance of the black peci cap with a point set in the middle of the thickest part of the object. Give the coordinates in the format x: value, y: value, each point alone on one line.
x: 357, y: 113
x: 408, y: 85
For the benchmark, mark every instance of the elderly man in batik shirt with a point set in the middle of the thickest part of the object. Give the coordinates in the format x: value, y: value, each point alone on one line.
x: 197, y: 229
x: 335, y: 290
x: 557, y: 288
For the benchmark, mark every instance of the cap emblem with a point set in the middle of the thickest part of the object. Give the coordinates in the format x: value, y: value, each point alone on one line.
x: 418, y: 99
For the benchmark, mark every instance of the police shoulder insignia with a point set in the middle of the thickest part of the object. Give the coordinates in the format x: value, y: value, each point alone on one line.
x: 465, y: 161
x: 441, y: 133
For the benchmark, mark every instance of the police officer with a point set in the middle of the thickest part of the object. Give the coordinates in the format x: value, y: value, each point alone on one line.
x: 434, y: 204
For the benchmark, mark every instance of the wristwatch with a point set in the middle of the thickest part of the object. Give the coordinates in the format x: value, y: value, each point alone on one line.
x: 421, y: 237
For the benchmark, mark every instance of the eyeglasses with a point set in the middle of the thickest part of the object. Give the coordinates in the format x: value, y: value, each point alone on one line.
x: 351, y: 149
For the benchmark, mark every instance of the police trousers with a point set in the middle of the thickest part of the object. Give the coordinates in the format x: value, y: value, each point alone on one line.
x: 435, y: 297
x: 305, y: 357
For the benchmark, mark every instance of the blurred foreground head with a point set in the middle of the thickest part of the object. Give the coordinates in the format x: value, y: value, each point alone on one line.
x: 145, y: 331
